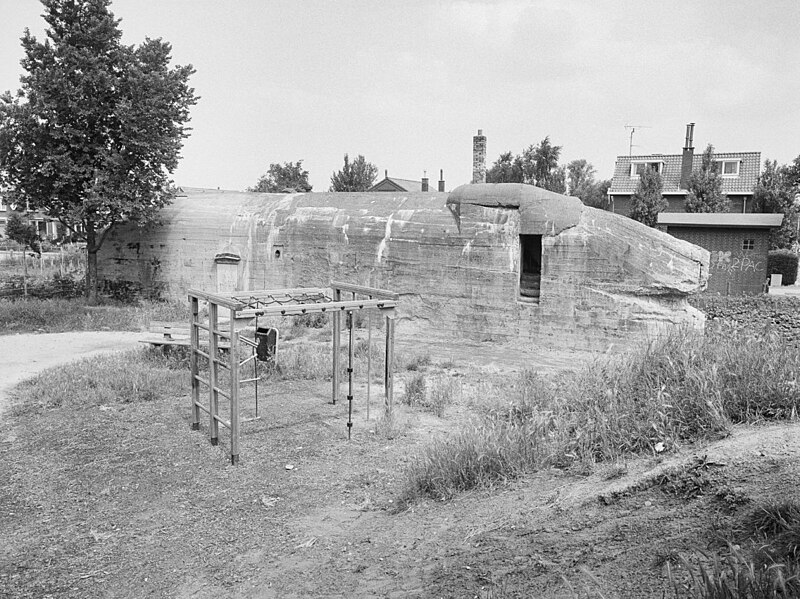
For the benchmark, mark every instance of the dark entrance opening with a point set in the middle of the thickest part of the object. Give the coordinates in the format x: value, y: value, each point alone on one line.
x: 530, y: 272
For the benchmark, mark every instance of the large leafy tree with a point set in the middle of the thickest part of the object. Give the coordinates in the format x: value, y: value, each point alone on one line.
x: 358, y: 175
x: 776, y: 192
x: 582, y: 184
x: 705, y: 187
x: 537, y: 165
x: 280, y: 178
x: 540, y: 165
x: 647, y: 200
x: 506, y: 169
x: 96, y: 129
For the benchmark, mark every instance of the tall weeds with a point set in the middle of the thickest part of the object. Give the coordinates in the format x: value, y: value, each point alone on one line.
x: 683, y: 387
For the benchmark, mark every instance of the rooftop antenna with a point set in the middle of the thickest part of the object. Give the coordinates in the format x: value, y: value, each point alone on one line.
x: 633, y: 129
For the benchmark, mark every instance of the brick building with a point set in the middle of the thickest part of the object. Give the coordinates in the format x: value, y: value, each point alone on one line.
x: 739, y: 172
x: 738, y: 244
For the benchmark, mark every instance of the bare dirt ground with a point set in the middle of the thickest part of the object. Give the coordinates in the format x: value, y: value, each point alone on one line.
x: 131, y: 504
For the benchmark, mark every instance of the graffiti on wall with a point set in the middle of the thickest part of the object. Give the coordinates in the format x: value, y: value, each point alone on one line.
x: 739, y: 262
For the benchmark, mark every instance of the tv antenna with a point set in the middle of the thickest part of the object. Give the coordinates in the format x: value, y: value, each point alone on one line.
x: 633, y: 129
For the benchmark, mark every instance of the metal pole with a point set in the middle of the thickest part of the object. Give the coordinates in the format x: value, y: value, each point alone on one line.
x: 388, y: 374
x: 369, y: 357
x: 194, y: 336
x: 234, y: 367
x: 337, y: 296
x: 350, y: 376
x: 213, y: 359
x: 255, y: 366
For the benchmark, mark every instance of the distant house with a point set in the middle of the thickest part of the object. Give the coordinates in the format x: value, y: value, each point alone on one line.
x: 394, y: 184
x: 738, y: 244
x: 739, y: 176
x: 48, y: 228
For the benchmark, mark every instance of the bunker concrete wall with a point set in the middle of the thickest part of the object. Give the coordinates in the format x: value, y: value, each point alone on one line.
x: 453, y: 258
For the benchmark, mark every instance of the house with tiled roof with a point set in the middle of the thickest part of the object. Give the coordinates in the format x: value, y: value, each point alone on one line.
x: 394, y: 184
x: 739, y: 172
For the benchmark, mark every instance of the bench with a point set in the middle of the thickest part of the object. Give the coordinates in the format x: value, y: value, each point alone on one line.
x: 167, y: 333
x: 177, y: 333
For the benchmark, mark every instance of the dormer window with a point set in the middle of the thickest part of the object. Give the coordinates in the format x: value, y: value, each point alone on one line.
x: 728, y: 168
x: 638, y: 168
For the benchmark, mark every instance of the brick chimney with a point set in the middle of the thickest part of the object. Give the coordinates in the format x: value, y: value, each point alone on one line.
x: 479, y: 157
x: 688, y: 156
x: 441, y: 180
x: 424, y: 180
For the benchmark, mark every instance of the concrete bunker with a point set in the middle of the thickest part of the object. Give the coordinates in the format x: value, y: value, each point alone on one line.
x: 466, y: 265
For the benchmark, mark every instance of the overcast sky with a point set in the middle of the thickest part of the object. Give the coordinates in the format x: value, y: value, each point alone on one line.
x: 408, y: 83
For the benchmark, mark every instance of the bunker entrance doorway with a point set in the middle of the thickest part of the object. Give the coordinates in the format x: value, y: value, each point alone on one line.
x: 530, y: 271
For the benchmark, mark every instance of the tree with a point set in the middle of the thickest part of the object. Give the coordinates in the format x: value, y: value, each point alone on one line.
x: 287, y: 178
x: 705, y: 187
x: 97, y: 127
x: 775, y: 193
x: 580, y: 179
x: 540, y: 165
x: 22, y: 231
x: 580, y: 175
x: 358, y: 175
x: 27, y: 235
x: 647, y: 200
x: 506, y: 169
x: 537, y: 165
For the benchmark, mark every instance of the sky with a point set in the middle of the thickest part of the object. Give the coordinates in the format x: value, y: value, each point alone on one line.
x: 408, y: 83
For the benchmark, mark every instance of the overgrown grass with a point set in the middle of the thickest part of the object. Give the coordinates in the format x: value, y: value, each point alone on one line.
x: 680, y: 388
x: 59, y: 315
x: 766, y: 565
x: 312, y: 361
x: 738, y: 576
x: 124, y: 377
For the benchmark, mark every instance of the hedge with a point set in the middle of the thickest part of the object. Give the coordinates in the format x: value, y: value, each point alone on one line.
x: 783, y: 262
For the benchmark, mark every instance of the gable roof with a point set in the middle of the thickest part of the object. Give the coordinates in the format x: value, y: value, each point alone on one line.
x: 624, y: 184
x: 395, y: 184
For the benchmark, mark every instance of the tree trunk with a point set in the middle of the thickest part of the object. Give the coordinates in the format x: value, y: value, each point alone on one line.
x: 91, y: 265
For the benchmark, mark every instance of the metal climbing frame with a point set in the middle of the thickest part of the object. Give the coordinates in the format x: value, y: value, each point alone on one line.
x: 279, y: 302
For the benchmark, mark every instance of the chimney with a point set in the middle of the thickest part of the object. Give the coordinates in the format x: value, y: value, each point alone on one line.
x: 441, y: 180
x: 424, y: 180
x: 386, y: 173
x: 688, y: 156
x: 479, y: 157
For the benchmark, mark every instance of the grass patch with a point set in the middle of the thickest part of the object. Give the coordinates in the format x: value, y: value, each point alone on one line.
x: 60, y: 315
x: 738, y: 576
x: 139, y: 375
x: 680, y: 388
x: 415, y: 389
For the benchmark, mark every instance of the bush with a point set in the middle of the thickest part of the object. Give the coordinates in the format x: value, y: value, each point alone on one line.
x: 783, y: 262
x: 415, y: 389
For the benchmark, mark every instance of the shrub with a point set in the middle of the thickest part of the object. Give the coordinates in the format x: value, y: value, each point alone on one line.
x: 783, y: 262
x: 415, y: 389
x: 443, y: 392
x: 418, y: 362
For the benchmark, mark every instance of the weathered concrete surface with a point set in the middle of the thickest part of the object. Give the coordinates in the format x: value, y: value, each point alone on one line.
x: 454, y: 259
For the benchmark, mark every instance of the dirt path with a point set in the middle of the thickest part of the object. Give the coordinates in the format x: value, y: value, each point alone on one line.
x: 26, y: 355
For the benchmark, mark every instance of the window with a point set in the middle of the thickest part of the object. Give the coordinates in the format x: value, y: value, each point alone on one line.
x: 638, y: 168
x: 748, y: 244
x: 728, y: 168
x: 530, y: 270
